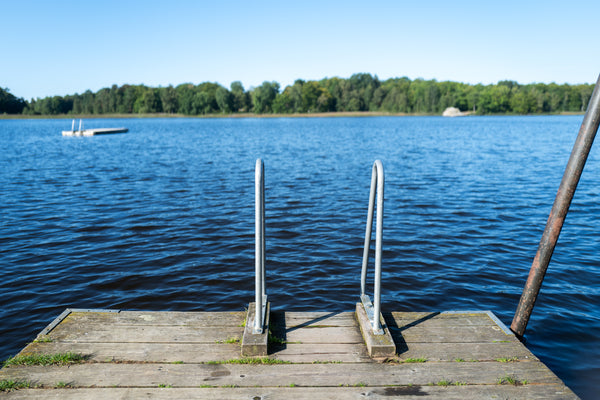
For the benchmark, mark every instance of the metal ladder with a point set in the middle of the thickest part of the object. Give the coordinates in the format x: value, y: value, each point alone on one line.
x: 373, y: 310
x: 377, y: 337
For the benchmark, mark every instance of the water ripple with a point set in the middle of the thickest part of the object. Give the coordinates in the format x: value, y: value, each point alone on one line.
x: 162, y: 219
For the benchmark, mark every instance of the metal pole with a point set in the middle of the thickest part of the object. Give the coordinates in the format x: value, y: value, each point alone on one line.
x: 377, y: 185
x: 365, y: 261
x: 566, y: 190
x: 378, y: 168
x: 262, y: 236
x: 259, y: 198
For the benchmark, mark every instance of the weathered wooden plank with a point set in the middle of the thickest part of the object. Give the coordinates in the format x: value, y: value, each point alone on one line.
x: 159, y: 318
x: 195, y: 375
x: 201, y: 352
x: 325, y: 334
x: 302, y: 319
x: 76, y: 332
x: 401, y: 320
x: 464, y: 351
x: 452, y: 334
x: 310, y: 315
x: 142, y: 352
x: 474, y: 392
x: 315, y: 334
x: 328, y: 352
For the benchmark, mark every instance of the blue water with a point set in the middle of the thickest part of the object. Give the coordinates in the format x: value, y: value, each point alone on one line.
x: 162, y: 218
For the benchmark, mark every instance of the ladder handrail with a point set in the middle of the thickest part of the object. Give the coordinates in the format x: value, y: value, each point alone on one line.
x: 260, y: 294
x: 377, y: 181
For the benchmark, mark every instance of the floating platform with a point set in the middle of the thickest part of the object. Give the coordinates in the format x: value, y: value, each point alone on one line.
x: 93, y: 132
x: 311, y: 355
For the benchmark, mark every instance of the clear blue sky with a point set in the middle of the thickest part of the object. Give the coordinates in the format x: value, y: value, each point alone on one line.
x: 66, y: 47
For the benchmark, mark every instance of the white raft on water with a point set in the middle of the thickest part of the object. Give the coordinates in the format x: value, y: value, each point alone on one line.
x: 91, y: 132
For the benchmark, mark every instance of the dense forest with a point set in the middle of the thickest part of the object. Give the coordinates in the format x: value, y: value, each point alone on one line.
x: 360, y: 92
x: 10, y: 104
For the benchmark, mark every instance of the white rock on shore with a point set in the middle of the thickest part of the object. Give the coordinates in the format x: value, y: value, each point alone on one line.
x: 453, y: 112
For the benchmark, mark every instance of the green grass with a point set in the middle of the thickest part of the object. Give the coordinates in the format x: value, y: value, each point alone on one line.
x: 43, y: 339
x: 447, y: 382
x: 396, y: 360
x: 327, y: 362
x: 275, y: 339
x: 164, y: 385
x: 177, y: 362
x: 250, y: 360
x: 207, y: 386
x: 414, y: 360
x: 8, y: 385
x: 243, y: 324
x: 62, y: 385
x: 459, y: 360
x: 46, y: 359
x: 511, y: 380
x: 229, y: 340
x: 507, y: 359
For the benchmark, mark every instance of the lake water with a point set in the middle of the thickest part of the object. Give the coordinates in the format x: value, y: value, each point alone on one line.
x: 162, y: 218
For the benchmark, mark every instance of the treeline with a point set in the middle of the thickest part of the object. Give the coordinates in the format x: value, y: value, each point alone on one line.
x: 360, y: 92
x: 10, y: 104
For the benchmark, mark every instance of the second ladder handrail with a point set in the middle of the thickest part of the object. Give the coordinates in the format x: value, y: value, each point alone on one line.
x: 373, y: 311
x: 259, y: 234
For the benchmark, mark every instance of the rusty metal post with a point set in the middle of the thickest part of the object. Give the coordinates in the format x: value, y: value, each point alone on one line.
x: 566, y: 190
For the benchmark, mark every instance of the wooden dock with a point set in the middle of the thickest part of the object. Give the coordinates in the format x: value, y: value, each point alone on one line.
x: 312, y: 355
x: 93, y: 132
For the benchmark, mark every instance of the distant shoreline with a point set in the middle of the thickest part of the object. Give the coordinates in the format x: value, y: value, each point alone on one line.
x: 252, y: 115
